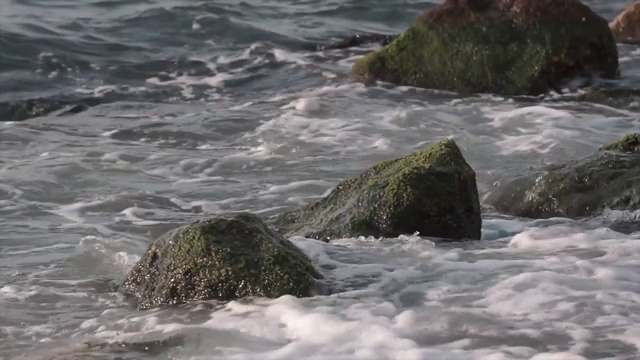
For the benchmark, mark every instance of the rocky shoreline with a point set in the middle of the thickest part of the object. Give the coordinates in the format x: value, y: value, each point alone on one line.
x: 431, y: 193
x: 506, y: 47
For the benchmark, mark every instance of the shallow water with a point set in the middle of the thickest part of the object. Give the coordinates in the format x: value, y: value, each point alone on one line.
x: 210, y: 107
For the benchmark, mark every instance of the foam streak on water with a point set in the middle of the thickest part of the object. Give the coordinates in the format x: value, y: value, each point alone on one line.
x: 145, y: 115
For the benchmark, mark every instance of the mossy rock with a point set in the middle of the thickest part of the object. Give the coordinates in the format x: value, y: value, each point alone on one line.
x: 629, y: 143
x: 607, y: 179
x: 432, y: 192
x: 226, y: 257
x: 508, y: 47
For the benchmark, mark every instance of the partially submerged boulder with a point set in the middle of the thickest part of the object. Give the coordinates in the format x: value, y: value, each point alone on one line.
x: 226, y: 257
x: 626, y: 26
x: 509, y: 47
x: 19, y: 110
x: 432, y: 192
x: 607, y: 179
x: 617, y: 97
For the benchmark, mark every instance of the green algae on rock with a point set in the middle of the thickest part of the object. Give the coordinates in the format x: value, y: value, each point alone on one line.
x: 508, y: 47
x: 432, y: 192
x: 607, y: 179
x: 629, y: 143
x: 225, y: 257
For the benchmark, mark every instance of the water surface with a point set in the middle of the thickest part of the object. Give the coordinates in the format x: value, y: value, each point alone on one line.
x: 207, y: 107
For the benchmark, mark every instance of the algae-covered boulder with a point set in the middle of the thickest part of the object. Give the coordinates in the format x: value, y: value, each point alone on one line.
x: 607, y: 179
x: 432, y: 192
x: 626, y: 26
x: 509, y: 47
x: 225, y: 257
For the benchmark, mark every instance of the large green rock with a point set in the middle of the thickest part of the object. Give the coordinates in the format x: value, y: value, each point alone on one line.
x: 225, y: 257
x: 607, y: 179
x: 509, y: 47
x: 432, y: 192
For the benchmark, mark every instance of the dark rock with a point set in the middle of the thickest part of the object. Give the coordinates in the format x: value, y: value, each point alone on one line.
x: 19, y: 110
x: 225, y: 258
x: 629, y: 144
x: 432, y: 192
x: 614, y: 97
x: 509, y: 47
x: 626, y: 26
x: 607, y: 179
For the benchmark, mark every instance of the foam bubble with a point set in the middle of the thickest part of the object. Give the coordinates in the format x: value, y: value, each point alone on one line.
x: 304, y: 105
x: 286, y: 56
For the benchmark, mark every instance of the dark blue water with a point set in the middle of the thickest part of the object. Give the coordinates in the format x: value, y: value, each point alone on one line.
x: 143, y: 115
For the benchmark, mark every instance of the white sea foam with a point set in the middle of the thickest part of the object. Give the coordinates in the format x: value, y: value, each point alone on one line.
x: 304, y: 105
x: 286, y: 56
x: 207, y: 207
x: 545, y: 128
x: 555, y: 292
x: 526, y: 115
x: 296, y: 185
x: 133, y: 214
x: 187, y: 82
x: 319, y: 92
x: 73, y: 211
x: 15, y: 292
x: 108, y: 251
x: 299, y: 126
x: 216, y: 80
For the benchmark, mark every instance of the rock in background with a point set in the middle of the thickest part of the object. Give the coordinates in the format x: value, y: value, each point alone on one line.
x: 508, y: 47
x: 607, y: 179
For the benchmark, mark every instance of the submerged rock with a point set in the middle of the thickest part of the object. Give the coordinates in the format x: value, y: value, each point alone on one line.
x: 509, y: 47
x: 626, y: 26
x: 225, y: 257
x: 432, y: 191
x: 607, y: 179
x: 614, y: 97
x: 19, y: 110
